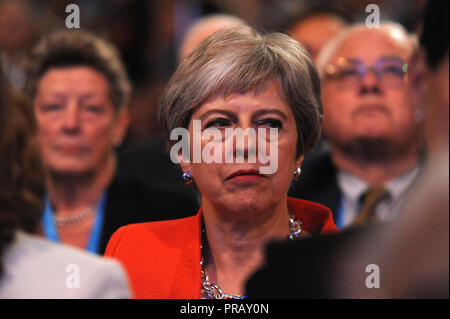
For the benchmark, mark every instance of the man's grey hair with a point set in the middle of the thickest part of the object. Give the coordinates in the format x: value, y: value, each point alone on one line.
x: 241, y: 60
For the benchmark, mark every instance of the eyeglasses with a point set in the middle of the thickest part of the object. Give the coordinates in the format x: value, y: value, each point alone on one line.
x: 391, y: 72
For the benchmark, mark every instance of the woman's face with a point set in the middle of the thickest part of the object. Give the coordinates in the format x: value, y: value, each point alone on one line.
x: 77, y: 122
x: 244, y: 187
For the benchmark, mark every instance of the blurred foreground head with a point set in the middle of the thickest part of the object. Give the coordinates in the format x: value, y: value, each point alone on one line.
x: 21, y: 176
x: 429, y: 85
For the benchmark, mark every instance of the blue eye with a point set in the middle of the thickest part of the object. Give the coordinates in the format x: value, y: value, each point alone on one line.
x: 51, y: 107
x: 219, y: 122
x: 393, y: 69
x: 271, y: 123
x: 349, y: 73
x: 94, y: 109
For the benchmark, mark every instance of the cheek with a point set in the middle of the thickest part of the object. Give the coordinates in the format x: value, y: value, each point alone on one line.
x: 286, y: 164
x: 101, y: 139
x: 46, y: 133
x: 400, y: 106
x: 337, y: 105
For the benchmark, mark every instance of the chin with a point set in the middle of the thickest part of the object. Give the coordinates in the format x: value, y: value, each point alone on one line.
x: 71, y: 170
x: 251, y: 203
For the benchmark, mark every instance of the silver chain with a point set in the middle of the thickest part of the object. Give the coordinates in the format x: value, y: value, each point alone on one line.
x: 66, y: 221
x: 213, y: 291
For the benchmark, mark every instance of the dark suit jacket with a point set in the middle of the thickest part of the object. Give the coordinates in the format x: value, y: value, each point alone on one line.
x: 130, y: 201
x: 147, y: 187
x: 307, y: 268
x: 318, y: 181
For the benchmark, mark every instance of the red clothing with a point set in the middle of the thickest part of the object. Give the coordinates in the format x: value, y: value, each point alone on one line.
x: 162, y: 258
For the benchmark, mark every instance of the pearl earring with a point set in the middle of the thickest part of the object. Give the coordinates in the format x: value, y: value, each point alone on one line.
x: 297, y: 173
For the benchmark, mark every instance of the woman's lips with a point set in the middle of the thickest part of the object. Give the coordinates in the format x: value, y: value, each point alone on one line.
x: 245, y: 175
x: 71, y: 149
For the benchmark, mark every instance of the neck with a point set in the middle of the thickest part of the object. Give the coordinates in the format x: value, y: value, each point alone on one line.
x: 235, y: 244
x: 375, y: 172
x: 71, y: 192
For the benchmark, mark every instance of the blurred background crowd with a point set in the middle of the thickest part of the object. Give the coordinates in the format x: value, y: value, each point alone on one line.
x: 149, y: 34
x: 152, y: 37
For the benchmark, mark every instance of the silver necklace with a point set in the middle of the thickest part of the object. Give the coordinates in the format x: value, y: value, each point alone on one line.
x: 66, y: 221
x: 213, y: 291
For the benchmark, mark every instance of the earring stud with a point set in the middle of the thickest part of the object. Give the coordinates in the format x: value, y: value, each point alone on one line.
x: 297, y: 173
x: 187, y: 177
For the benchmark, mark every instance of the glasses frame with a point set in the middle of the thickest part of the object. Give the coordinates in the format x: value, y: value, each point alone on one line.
x: 332, y: 71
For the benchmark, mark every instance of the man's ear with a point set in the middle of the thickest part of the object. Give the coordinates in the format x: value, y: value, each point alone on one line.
x: 416, y: 80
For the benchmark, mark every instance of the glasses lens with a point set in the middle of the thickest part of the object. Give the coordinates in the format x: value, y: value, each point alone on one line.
x: 347, y: 74
x: 392, y: 72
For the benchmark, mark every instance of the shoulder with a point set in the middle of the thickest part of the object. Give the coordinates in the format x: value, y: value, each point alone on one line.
x: 166, y: 232
x: 316, y: 218
x: 159, y: 252
x: 58, y: 272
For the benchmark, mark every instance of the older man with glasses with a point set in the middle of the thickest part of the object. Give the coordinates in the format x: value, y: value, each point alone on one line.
x: 374, y: 135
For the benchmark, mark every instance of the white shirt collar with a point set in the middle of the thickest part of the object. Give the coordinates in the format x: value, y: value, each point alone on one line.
x: 353, y: 186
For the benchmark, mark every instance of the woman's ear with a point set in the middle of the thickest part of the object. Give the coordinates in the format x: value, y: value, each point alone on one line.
x: 183, y: 161
x: 299, y: 161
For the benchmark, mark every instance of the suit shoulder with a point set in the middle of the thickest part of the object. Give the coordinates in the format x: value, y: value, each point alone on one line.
x: 156, y: 226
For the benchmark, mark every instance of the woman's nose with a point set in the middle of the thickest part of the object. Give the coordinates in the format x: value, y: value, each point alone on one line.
x: 71, y: 120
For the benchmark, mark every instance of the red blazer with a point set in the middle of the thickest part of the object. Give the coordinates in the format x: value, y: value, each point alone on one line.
x: 162, y: 258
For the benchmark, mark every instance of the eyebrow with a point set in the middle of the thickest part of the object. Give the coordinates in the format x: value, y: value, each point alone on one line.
x: 233, y: 115
x: 396, y: 57
x: 268, y: 111
x: 213, y: 111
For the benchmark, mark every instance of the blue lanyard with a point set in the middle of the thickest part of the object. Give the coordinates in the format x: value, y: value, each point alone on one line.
x: 340, y: 215
x: 51, y: 232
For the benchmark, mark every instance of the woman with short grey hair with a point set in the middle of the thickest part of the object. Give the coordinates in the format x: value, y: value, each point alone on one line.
x: 237, y: 95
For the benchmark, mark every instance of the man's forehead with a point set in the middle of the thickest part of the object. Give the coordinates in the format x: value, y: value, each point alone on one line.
x: 371, y: 44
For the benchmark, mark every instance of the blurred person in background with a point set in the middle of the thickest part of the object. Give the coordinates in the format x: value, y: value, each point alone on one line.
x: 375, y: 134
x: 235, y: 79
x: 204, y: 27
x: 80, y: 93
x: 412, y: 253
x: 32, y: 267
x: 314, y: 28
x: 17, y: 35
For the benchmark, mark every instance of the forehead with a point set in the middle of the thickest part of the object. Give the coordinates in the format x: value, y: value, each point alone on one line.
x: 368, y: 45
x: 252, y: 101
x: 80, y: 79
